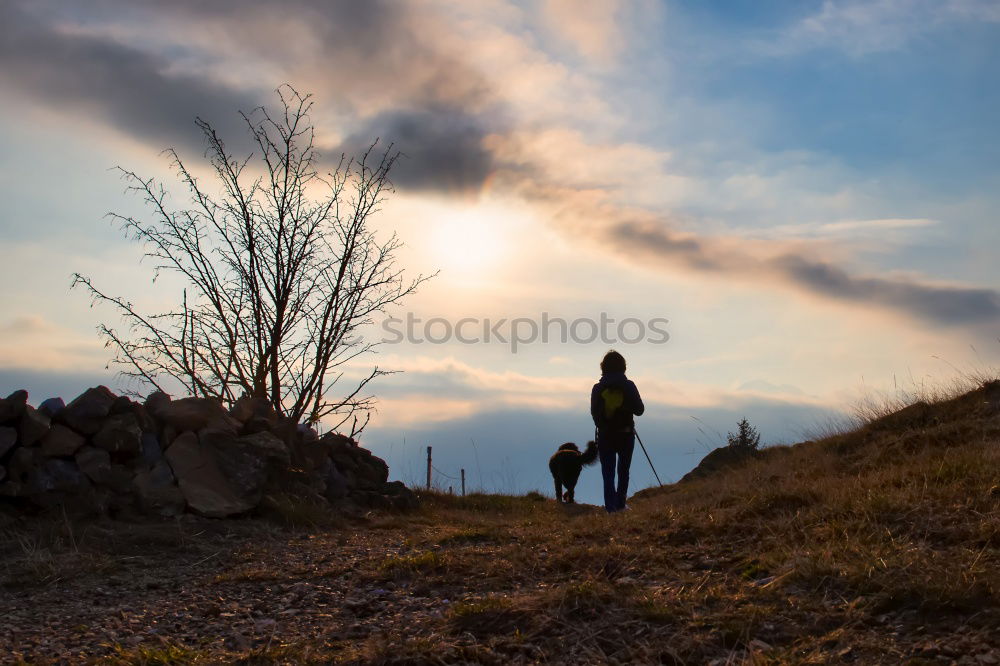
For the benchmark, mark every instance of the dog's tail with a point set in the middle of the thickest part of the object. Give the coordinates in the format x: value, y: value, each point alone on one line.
x: 589, y: 454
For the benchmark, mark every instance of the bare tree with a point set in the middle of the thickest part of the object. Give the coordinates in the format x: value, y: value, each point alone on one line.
x: 282, y: 270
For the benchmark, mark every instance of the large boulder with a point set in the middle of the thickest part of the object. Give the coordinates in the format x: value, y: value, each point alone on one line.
x: 401, y: 497
x: 61, y: 441
x: 33, y: 426
x: 12, y: 406
x: 247, y: 408
x: 53, y: 478
x: 157, y: 491
x: 8, y: 438
x: 119, y: 479
x: 155, y: 402
x: 120, y: 434
x: 205, y: 488
x: 248, y: 462
x: 337, y: 485
x: 125, y: 405
x: 152, y: 453
x: 22, y: 461
x: 193, y: 414
x: 95, y: 463
x: 51, y: 406
x: 87, y: 412
x: 310, y: 456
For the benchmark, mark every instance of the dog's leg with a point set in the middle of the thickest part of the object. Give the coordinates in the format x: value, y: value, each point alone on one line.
x: 569, y: 495
x: 559, y: 495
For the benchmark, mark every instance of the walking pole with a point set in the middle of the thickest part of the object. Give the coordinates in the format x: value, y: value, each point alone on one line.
x: 647, y: 457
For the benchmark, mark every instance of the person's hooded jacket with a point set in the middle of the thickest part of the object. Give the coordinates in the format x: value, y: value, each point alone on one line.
x: 614, y: 401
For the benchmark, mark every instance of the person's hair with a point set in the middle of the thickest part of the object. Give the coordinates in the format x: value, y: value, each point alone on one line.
x: 612, y: 362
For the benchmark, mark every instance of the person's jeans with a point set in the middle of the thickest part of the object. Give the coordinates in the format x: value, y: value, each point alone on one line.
x: 615, y: 448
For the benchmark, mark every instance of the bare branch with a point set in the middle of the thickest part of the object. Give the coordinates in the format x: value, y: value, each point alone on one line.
x: 278, y: 280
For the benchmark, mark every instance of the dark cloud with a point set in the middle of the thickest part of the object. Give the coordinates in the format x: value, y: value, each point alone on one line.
x: 442, y: 148
x: 933, y: 303
x: 665, y: 243
x: 366, y: 53
x: 946, y: 305
x: 125, y: 88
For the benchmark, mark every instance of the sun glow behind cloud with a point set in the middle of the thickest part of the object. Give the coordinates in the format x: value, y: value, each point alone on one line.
x: 472, y: 241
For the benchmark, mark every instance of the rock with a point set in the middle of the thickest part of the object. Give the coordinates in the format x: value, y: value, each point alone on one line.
x: 366, y: 471
x: 336, y: 483
x: 120, y: 434
x: 247, y: 407
x: 285, y: 429
x: 12, y: 406
x: 205, y: 488
x: 61, y: 441
x: 256, y: 424
x: 51, y: 407
x: 12, y: 489
x: 248, y: 462
x: 22, y: 462
x: 119, y: 479
x: 402, y: 498
x: 95, y: 463
x: 86, y: 414
x: 34, y: 425
x: 157, y: 491
x: 125, y: 405
x: 56, y: 476
x: 121, y: 405
x: 8, y: 438
x: 310, y: 456
x: 57, y: 481
x: 193, y: 414
x: 156, y: 402
x: 152, y: 453
x: 307, y: 433
x: 376, y: 468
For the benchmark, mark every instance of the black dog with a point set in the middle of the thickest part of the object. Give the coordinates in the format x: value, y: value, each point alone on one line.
x: 565, y: 465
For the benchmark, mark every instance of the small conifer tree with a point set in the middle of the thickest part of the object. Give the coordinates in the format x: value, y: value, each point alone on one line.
x: 747, y: 436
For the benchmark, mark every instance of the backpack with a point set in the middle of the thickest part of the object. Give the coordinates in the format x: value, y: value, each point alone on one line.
x: 617, y: 415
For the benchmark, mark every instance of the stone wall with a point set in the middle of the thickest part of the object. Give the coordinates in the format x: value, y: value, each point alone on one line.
x: 107, y: 454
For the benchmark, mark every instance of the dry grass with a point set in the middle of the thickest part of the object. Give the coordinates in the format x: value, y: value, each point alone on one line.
x: 876, y: 545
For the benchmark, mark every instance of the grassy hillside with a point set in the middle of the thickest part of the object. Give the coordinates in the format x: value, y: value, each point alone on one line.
x: 879, y: 545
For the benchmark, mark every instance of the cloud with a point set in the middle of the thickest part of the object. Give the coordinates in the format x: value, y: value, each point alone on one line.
x: 373, y: 59
x: 863, y: 27
x: 442, y: 148
x: 124, y: 87
x: 37, y: 343
x: 431, y: 389
x: 867, y: 229
x: 30, y: 324
x: 591, y: 27
x: 939, y: 304
x: 454, y: 99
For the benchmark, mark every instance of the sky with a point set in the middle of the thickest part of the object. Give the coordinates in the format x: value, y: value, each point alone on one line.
x: 790, y: 205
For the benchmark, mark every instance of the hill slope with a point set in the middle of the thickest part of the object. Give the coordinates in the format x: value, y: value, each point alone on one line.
x: 881, y: 545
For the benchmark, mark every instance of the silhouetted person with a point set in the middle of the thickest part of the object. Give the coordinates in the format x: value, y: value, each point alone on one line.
x: 614, y: 402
